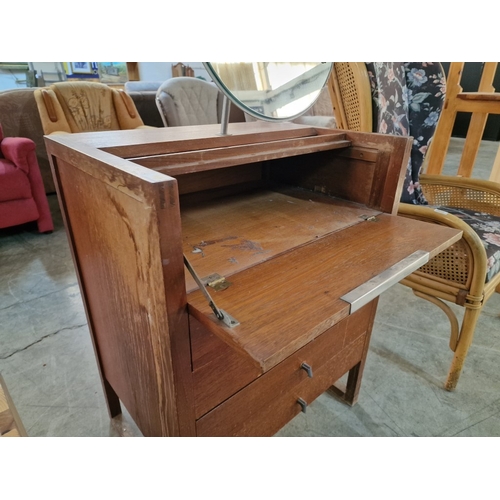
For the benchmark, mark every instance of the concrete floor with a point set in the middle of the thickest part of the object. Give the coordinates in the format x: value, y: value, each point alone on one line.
x: 48, y: 364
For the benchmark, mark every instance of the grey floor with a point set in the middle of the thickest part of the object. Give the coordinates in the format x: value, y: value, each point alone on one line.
x: 47, y: 360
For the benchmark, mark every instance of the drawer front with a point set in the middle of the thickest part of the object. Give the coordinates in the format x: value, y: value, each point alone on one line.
x: 218, y: 370
x: 267, y: 404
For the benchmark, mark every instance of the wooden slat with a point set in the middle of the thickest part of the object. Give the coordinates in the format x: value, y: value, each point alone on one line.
x: 151, y: 141
x: 479, y: 96
x: 482, y: 106
x: 208, y: 159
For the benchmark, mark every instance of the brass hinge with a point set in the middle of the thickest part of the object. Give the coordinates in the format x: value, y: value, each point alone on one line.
x: 216, y: 281
x: 220, y: 314
x: 369, y: 218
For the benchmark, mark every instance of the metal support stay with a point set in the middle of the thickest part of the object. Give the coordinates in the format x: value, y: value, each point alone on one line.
x: 378, y: 284
x: 220, y: 314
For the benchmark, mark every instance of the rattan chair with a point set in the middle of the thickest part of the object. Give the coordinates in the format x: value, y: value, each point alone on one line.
x: 462, y: 274
x: 351, y: 96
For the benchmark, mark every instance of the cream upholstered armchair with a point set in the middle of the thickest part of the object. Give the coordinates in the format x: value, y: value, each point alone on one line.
x: 84, y: 107
x: 190, y: 101
x: 406, y: 99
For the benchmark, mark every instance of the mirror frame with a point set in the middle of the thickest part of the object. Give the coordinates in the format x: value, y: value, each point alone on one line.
x: 227, y: 93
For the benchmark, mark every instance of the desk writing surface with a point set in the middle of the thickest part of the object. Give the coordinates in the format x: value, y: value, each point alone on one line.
x: 290, y: 299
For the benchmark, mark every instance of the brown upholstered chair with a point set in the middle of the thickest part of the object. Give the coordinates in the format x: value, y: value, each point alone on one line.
x: 84, y: 107
x: 468, y: 272
x: 143, y: 93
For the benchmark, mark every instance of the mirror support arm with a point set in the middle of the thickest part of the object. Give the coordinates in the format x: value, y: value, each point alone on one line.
x: 226, y: 104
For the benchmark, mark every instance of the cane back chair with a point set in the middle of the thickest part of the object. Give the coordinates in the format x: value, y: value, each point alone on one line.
x: 468, y: 272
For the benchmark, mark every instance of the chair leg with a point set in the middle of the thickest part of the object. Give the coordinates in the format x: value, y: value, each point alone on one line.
x: 448, y: 311
x: 464, y: 341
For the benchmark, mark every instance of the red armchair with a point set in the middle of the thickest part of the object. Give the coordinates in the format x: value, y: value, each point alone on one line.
x: 22, y: 194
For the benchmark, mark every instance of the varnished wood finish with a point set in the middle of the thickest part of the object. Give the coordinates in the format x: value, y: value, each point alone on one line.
x: 219, y: 371
x: 280, y: 210
x: 261, y: 410
x: 368, y: 172
x: 207, y: 159
x: 359, y: 324
x: 262, y: 297
x: 117, y: 260
x: 241, y: 231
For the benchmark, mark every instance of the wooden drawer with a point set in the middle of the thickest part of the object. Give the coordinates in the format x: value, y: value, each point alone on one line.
x: 268, y: 403
x: 218, y: 370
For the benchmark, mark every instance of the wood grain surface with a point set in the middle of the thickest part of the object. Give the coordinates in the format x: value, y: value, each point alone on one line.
x: 287, y: 301
x: 289, y: 253
x: 228, y: 235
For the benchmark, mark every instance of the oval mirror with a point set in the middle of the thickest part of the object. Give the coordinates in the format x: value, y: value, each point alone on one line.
x: 274, y: 91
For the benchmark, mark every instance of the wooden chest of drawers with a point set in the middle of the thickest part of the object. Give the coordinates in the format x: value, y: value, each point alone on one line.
x: 292, y: 231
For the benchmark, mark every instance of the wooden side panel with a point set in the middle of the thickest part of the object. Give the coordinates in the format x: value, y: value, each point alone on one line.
x: 370, y: 172
x: 126, y: 244
x: 348, y: 175
x: 394, y: 153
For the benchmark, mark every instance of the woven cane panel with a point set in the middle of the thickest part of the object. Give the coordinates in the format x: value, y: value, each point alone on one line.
x: 473, y: 199
x: 451, y: 264
x: 349, y: 94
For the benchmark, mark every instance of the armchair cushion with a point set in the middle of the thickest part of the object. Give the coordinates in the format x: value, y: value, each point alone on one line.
x: 188, y: 101
x: 407, y: 100
x: 487, y: 227
x: 87, y: 109
x: 16, y: 150
x: 22, y: 195
x: 20, y: 118
x: 14, y: 182
x: 84, y: 107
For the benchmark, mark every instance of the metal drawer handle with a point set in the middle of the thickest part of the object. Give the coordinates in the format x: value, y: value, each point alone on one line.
x: 303, y: 404
x: 308, y: 369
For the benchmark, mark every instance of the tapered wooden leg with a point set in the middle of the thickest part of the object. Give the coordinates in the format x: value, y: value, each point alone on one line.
x: 464, y: 341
